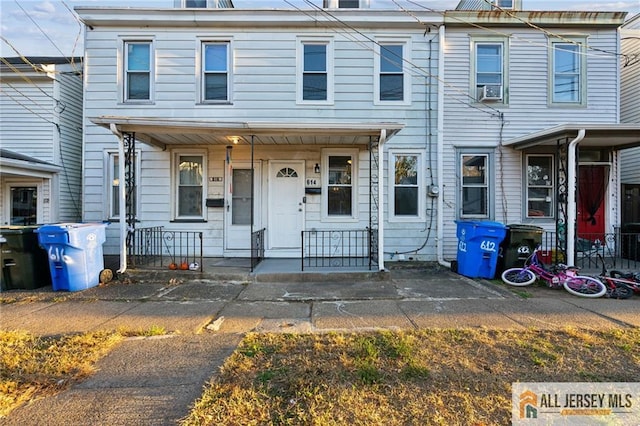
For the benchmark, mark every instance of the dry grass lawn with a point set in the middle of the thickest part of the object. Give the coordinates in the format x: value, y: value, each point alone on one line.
x: 426, y: 377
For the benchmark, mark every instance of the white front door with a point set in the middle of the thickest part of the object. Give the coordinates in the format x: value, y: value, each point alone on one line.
x: 238, y: 206
x: 286, y: 206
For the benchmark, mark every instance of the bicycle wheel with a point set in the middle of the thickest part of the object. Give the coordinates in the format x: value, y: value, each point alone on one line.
x: 584, y: 286
x: 621, y: 292
x: 518, y: 277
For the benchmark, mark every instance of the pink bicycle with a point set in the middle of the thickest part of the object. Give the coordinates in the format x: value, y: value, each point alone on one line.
x: 557, y: 276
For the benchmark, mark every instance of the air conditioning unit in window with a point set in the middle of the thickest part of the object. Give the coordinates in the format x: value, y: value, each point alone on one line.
x: 491, y: 92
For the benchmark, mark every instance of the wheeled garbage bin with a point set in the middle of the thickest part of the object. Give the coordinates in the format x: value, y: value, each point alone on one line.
x: 24, y: 263
x: 478, y: 247
x: 75, y: 254
x: 518, y: 244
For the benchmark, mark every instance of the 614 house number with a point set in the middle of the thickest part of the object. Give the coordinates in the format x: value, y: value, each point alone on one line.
x: 312, y: 182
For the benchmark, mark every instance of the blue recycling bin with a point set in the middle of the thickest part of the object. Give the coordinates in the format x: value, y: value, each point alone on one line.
x: 75, y: 254
x: 478, y: 247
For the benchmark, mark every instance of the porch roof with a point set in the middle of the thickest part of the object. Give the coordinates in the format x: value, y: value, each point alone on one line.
x: 620, y: 136
x: 17, y: 164
x: 163, y: 132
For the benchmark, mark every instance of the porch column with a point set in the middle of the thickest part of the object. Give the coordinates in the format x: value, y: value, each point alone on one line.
x: 571, y: 195
x: 383, y: 138
x: 122, y: 198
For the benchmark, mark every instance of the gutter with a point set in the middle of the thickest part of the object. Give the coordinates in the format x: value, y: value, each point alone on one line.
x: 122, y: 194
x: 440, y: 153
x: 571, y: 195
x: 383, y: 139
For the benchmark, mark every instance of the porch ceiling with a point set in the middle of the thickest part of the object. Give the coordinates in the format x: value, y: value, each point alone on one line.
x: 618, y: 136
x: 171, y: 132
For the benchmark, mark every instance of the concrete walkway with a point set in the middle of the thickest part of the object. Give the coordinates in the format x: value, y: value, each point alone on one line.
x: 154, y: 381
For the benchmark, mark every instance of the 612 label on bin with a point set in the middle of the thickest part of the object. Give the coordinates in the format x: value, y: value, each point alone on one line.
x: 488, y: 245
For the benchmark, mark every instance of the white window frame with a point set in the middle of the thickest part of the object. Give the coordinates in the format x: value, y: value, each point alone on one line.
x: 200, y: 61
x: 39, y: 184
x: 489, y: 183
x: 420, y: 216
x: 475, y: 87
x: 550, y: 187
x: 175, y: 177
x: 406, y: 73
x: 109, y: 165
x: 123, y: 88
x: 340, y: 152
x: 580, y: 43
x: 301, y: 42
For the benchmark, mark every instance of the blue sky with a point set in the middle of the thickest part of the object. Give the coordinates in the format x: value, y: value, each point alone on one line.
x: 24, y: 23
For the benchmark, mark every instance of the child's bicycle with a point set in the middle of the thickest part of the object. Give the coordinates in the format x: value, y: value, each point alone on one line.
x: 556, y: 277
x: 632, y: 279
x: 617, y: 287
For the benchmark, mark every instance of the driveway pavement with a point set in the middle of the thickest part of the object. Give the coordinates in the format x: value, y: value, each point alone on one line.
x: 154, y: 381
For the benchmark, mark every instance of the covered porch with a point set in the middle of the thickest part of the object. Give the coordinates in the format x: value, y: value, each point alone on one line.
x: 588, y: 228
x: 268, y: 214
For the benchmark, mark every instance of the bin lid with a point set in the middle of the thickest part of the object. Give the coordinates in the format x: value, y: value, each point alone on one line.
x: 522, y: 227
x: 59, y: 228
x: 486, y: 223
x: 18, y: 229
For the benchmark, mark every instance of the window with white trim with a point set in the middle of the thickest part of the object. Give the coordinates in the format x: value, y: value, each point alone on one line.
x: 392, y: 82
x: 475, y: 185
x: 113, y: 185
x: 340, y: 177
x: 315, y: 71
x: 407, y: 190
x: 190, y: 191
x: 540, y: 186
x: 567, y: 72
x: 489, y: 76
x: 138, y: 71
x: 215, y: 74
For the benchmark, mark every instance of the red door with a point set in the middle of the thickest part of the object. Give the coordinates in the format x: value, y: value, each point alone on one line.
x: 592, y: 187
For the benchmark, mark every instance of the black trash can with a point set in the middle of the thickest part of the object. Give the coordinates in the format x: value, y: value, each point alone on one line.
x: 519, y: 244
x: 24, y: 263
x: 630, y: 241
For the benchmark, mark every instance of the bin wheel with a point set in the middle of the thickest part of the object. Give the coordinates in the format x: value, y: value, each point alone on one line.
x: 106, y: 275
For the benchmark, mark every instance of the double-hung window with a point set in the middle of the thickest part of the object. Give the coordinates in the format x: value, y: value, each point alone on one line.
x: 340, y: 179
x: 138, y: 70
x: 113, y: 185
x: 392, y: 80
x: 215, y: 75
x: 567, y: 72
x: 489, y: 72
x: 475, y: 185
x: 540, y: 186
x: 190, y: 179
x: 315, y: 75
x: 407, y: 190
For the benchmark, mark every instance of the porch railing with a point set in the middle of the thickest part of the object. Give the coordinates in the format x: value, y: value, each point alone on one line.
x: 340, y: 248
x: 159, y: 248
x: 257, y: 248
x: 618, y: 250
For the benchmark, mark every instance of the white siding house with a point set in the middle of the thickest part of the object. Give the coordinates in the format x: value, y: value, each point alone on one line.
x: 519, y: 88
x: 41, y: 134
x: 325, y: 106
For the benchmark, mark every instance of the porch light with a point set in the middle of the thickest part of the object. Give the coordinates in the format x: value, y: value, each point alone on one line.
x: 235, y: 140
x: 316, y: 168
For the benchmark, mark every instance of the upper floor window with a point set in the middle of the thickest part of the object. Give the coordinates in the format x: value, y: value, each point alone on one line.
x: 215, y: 72
x: 475, y: 188
x: 489, y: 71
x: 540, y: 187
x: 315, y: 79
x: 567, y: 74
x: 392, y: 83
x: 138, y: 70
x: 504, y: 4
x: 345, y: 4
x: 407, y: 189
x: 203, y: 3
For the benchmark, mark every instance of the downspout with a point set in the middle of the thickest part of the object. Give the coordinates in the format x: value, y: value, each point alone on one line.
x: 571, y: 195
x: 122, y: 194
x: 383, y: 138
x: 440, y: 153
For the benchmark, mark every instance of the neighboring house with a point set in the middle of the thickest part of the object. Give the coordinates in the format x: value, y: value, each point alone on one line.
x: 322, y: 104
x: 41, y: 134
x: 531, y: 121
x: 630, y: 113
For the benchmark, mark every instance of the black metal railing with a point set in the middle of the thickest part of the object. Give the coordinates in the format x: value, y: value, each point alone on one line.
x: 340, y: 248
x: 618, y: 250
x: 159, y: 248
x: 257, y: 248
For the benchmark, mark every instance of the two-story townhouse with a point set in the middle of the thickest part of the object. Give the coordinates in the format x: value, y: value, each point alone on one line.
x: 304, y: 132
x: 531, y: 131
x: 630, y: 113
x: 41, y: 134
